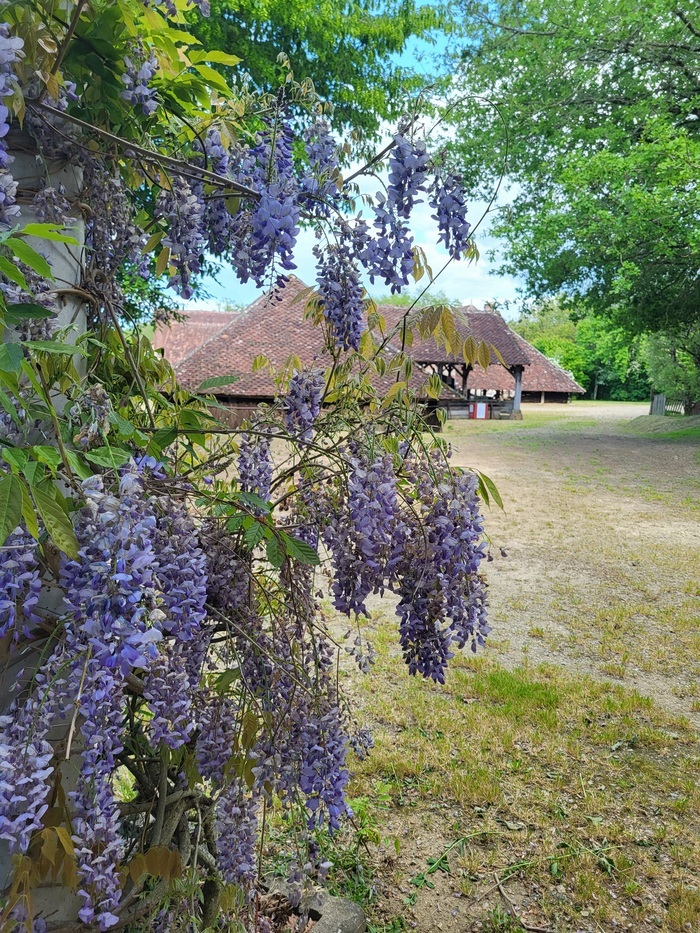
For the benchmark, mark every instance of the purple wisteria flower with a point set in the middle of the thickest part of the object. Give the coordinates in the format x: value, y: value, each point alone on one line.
x: 319, y: 189
x: 365, y: 536
x: 442, y: 598
x: 20, y: 584
x: 265, y: 232
x: 140, y: 71
x: 255, y: 464
x: 448, y: 200
x: 408, y: 174
x: 302, y: 403
x: 50, y: 204
x: 183, y: 215
x: 342, y: 293
x: 237, y: 830
x: 11, y: 51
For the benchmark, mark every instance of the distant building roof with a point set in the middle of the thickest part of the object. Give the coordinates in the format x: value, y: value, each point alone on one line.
x: 542, y: 375
x: 483, y: 325
x: 180, y: 338
x: 274, y: 325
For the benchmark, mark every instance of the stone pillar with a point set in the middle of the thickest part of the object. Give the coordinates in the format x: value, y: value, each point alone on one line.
x: 516, y: 414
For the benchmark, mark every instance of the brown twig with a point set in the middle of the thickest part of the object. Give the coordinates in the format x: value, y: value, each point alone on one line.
x: 68, y: 36
x: 148, y: 155
x: 514, y: 912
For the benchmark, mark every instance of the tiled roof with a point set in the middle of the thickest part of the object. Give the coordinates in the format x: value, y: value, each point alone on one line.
x: 273, y: 326
x: 542, y: 375
x: 485, y: 325
x: 180, y: 338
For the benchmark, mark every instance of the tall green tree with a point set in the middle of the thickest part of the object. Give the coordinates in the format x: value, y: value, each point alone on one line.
x: 673, y: 362
x: 603, y: 358
x: 346, y: 48
x: 592, y: 109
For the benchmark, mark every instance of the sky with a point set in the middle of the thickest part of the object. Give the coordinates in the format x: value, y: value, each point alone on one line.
x: 466, y: 283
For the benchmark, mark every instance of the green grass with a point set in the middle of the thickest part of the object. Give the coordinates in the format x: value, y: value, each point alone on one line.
x: 667, y: 428
x: 593, y: 782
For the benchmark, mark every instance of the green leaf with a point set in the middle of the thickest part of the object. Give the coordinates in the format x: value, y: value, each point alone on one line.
x: 49, y: 232
x: 235, y: 521
x: 77, y: 464
x: 163, y: 438
x: 52, y: 346
x: 15, y: 457
x: 219, y: 58
x: 28, y: 513
x: 212, y: 383
x: 11, y: 357
x: 29, y: 256
x: 254, y: 501
x: 275, y: 554
x: 225, y: 679
x: 213, y: 78
x: 48, y: 455
x: 254, y: 534
x: 56, y: 522
x: 6, y: 403
x: 111, y: 457
x: 10, y: 505
x: 300, y: 550
x: 492, y: 488
x: 11, y: 272
x: 22, y: 311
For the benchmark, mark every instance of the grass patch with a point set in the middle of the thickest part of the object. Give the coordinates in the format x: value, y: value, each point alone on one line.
x: 557, y: 782
x: 666, y: 428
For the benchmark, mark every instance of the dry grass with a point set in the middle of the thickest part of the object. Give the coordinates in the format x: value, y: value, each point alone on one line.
x: 578, y: 794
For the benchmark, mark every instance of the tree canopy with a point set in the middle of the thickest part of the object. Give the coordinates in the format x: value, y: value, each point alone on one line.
x: 592, y: 109
x: 603, y: 358
x: 346, y: 49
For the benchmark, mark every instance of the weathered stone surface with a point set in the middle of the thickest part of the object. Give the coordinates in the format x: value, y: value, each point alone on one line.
x: 332, y: 914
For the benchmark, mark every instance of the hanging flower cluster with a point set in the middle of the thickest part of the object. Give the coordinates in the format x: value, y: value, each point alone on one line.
x: 302, y: 403
x: 20, y: 585
x: 427, y: 549
x: 140, y: 71
x: 11, y: 51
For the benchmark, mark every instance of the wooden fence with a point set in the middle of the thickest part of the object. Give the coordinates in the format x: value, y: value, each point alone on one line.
x: 659, y: 406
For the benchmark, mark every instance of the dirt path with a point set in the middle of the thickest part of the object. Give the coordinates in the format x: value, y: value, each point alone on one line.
x: 602, y: 529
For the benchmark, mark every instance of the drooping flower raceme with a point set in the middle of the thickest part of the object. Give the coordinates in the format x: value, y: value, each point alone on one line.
x: 182, y: 212
x: 255, y: 464
x: 442, y: 597
x: 20, y: 584
x: 408, y: 174
x: 140, y: 71
x: 302, y: 403
x: 11, y: 51
x: 342, y: 293
x: 364, y: 537
x: 389, y: 254
x: 449, y: 203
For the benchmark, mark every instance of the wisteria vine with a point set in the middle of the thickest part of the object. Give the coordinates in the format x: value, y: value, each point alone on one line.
x: 159, y: 580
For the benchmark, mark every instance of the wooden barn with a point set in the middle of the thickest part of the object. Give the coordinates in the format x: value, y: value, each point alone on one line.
x: 213, y: 344
x: 273, y: 326
x: 543, y: 380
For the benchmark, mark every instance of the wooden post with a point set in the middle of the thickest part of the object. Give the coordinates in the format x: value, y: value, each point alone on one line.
x: 542, y: 394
